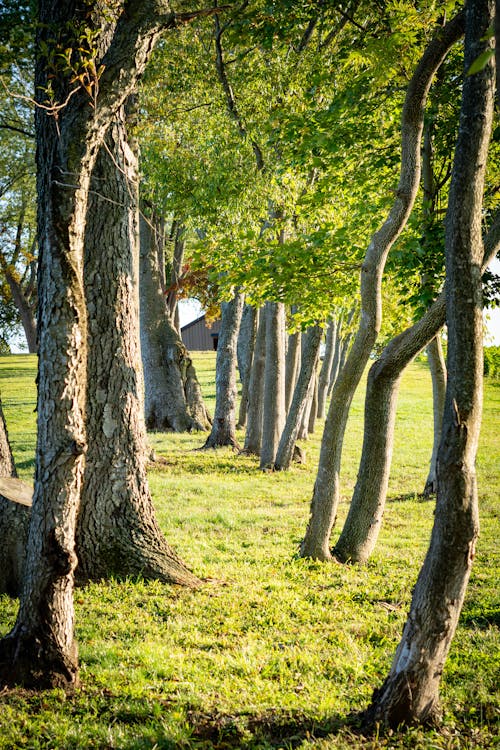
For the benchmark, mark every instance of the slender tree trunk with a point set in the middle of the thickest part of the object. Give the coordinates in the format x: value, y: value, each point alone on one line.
x: 337, y: 354
x: 172, y: 394
x: 25, y: 310
x: 255, y: 416
x: 304, y: 422
x: 362, y: 525
x: 326, y: 366
x: 244, y: 351
x: 274, y: 383
x: 327, y: 487
x: 172, y: 300
x: 410, y: 694
x: 14, y: 522
x: 117, y: 533
x: 288, y: 438
x: 313, y: 412
x: 437, y: 367
x: 224, y: 424
x: 292, y: 367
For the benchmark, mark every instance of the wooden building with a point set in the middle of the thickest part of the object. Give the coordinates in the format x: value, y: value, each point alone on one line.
x: 200, y: 336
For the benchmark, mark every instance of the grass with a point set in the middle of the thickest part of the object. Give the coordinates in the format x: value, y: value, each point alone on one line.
x: 273, y: 651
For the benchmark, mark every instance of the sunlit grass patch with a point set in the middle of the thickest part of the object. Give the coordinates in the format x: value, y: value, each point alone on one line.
x: 273, y: 651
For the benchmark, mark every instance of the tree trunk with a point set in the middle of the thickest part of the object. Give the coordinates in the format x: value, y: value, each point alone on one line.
x: 255, y: 416
x: 410, y: 694
x: 172, y: 394
x: 274, y: 383
x: 24, y: 308
x: 337, y: 355
x: 14, y: 522
x: 7, y: 465
x: 292, y: 365
x: 326, y: 366
x: 172, y: 301
x: 244, y: 352
x: 224, y: 424
x: 117, y: 533
x: 437, y: 367
x: 288, y: 439
x: 362, y: 525
x: 313, y: 412
x: 40, y: 650
x: 327, y: 487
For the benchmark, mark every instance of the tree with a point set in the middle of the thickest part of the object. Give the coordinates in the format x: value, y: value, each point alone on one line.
x: 117, y: 533
x: 224, y: 424
x: 14, y: 521
x: 309, y: 361
x: 173, y: 397
x: 410, y: 693
x: 87, y: 66
x: 327, y: 487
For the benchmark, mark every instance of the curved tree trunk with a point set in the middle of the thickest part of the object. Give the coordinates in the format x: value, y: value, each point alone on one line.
x: 437, y: 367
x: 117, y: 533
x: 224, y: 423
x: 327, y: 487
x: 244, y: 352
x: 288, y: 438
x: 410, y: 694
x: 362, y: 525
x: 274, y: 383
x: 326, y: 366
x: 255, y: 416
x: 172, y: 394
x: 24, y: 308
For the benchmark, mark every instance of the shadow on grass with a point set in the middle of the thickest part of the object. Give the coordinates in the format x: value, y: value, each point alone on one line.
x: 271, y: 729
x: 411, y: 497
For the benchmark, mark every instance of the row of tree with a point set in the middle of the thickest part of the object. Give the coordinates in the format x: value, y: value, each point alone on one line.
x: 269, y: 188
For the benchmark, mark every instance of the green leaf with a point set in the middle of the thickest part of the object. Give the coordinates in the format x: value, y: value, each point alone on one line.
x: 480, y: 62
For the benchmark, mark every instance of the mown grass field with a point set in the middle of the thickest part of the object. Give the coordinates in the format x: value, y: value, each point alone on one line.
x: 273, y: 651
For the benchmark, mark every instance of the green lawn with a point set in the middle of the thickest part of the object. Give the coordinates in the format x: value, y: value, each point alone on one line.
x: 273, y: 651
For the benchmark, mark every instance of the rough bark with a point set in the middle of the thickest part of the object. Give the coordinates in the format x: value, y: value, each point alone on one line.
x: 274, y: 383
x: 253, y: 435
x: 40, y: 650
x: 117, y: 533
x: 326, y: 366
x: 244, y: 352
x: 173, y: 399
x: 288, y: 438
x: 410, y: 694
x: 327, y: 487
x: 224, y: 423
x: 362, y: 525
x: 437, y: 366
